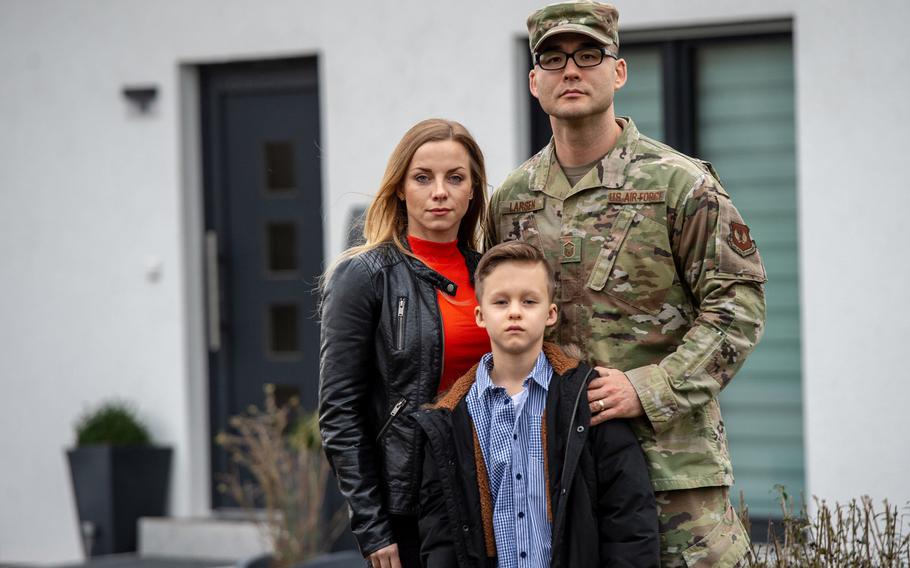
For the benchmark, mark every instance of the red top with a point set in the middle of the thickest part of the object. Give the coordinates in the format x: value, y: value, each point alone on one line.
x: 463, y: 342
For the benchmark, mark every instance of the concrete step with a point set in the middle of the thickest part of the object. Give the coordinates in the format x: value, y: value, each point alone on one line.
x: 207, y: 539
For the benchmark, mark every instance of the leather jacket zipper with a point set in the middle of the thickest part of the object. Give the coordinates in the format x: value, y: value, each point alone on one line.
x: 442, y: 344
x: 402, y: 306
x: 396, y: 410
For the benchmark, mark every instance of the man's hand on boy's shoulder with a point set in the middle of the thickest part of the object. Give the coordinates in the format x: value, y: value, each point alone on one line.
x: 611, y: 395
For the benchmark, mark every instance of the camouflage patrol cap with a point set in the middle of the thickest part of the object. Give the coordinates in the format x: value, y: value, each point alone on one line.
x: 593, y: 19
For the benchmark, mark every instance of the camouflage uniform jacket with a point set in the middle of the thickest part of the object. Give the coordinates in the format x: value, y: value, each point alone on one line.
x: 656, y: 276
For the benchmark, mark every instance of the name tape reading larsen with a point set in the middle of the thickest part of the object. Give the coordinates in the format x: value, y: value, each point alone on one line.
x: 522, y: 206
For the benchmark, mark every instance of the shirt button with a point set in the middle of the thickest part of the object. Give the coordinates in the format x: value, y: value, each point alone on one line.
x: 523, y: 554
x: 521, y: 514
x: 514, y: 436
x: 518, y: 476
x: 450, y: 288
x: 465, y: 528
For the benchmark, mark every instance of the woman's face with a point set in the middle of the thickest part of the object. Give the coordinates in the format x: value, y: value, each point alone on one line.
x: 437, y: 190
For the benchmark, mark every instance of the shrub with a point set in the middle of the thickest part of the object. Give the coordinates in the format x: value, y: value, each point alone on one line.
x: 857, y: 534
x: 113, y: 422
x: 277, y: 465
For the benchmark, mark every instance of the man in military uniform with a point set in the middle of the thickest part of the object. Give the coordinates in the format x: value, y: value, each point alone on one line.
x: 658, y: 278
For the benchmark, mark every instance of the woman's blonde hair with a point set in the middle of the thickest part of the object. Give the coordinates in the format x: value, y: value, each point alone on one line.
x: 386, y: 219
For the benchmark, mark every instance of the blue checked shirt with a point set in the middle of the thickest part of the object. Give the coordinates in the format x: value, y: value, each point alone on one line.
x: 509, y: 431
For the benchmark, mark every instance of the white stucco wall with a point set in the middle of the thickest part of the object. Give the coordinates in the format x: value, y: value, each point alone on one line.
x: 93, y: 194
x: 853, y: 124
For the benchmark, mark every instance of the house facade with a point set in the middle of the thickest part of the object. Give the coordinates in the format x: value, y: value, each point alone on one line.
x: 174, y: 176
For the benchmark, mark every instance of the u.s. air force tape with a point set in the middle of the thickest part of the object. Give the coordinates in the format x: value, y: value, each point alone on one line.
x: 637, y: 196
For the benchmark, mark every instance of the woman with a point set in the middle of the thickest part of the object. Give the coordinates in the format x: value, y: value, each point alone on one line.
x: 398, y: 328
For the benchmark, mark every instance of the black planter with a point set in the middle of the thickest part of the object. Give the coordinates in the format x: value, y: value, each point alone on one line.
x: 114, y: 486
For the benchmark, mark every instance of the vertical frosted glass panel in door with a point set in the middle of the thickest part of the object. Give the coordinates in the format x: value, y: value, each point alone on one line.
x: 746, y: 129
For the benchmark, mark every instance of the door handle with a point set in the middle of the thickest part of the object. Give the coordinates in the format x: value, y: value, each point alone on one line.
x: 212, y: 294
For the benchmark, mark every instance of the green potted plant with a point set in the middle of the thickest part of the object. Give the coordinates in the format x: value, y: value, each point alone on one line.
x: 118, y: 476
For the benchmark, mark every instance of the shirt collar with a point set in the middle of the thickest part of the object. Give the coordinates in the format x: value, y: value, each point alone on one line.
x: 540, y: 374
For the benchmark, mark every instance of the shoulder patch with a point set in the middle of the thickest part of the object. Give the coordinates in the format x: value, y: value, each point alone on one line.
x: 737, y: 254
x: 740, y: 239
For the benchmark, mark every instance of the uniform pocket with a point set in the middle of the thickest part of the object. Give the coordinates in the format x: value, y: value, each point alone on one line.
x: 518, y: 221
x: 603, y: 264
x: 520, y: 227
x: 643, y: 271
x: 723, y: 547
x: 737, y: 255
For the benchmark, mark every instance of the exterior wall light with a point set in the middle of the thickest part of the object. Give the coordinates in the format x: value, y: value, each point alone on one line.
x: 142, y: 96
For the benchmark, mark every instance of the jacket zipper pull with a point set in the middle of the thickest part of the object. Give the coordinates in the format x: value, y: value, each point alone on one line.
x: 397, y: 408
x: 402, y: 402
x: 400, y: 307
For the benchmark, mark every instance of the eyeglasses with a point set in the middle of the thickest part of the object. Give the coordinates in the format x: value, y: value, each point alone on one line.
x: 553, y: 60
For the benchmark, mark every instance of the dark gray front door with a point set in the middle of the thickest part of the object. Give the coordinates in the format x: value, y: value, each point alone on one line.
x: 263, y: 233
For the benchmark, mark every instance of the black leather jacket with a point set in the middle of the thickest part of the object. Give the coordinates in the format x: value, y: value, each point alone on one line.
x: 381, y: 358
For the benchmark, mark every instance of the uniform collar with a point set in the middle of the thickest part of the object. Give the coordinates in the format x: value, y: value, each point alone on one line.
x: 609, y: 172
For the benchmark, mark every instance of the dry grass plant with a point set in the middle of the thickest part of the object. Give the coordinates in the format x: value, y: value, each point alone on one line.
x: 855, y: 535
x: 279, y: 476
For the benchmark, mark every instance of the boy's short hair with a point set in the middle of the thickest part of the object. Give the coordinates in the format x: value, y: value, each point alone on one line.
x: 511, y: 251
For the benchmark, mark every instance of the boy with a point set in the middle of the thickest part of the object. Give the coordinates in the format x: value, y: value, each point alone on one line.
x: 512, y: 474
